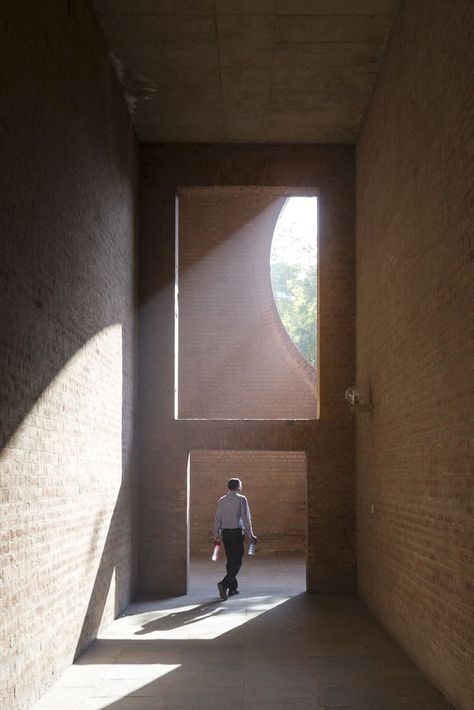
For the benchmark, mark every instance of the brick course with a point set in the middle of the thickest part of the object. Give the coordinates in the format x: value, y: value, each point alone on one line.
x: 66, y: 344
x: 163, y: 444
x: 415, y: 344
x: 236, y: 359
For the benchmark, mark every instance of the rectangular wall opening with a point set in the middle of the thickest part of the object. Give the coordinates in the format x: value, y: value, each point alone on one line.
x: 275, y: 484
x: 246, y: 283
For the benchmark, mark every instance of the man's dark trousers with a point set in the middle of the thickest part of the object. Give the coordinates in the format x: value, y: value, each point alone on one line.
x: 233, y: 539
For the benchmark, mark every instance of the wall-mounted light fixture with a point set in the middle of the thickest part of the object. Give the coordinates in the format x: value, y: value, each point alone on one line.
x: 352, y: 396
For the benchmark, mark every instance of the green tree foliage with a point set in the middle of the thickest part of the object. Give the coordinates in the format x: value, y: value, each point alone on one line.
x: 293, y: 262
x: 294, y: 289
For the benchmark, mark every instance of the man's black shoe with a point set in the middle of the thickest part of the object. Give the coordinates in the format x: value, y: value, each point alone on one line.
x: 233, y: 592
x: 222, y: 591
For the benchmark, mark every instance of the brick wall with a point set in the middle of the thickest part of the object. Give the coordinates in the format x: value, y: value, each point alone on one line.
x: 66, y: 344
x: 275, y: 485
x: 163, y: 443
x: 236, y: 359
x: 415, y: 344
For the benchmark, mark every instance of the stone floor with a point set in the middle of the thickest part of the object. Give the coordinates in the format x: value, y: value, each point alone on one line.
x: 271, y: 647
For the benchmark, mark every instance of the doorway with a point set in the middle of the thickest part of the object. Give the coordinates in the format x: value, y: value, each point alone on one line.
x: 275, y: 484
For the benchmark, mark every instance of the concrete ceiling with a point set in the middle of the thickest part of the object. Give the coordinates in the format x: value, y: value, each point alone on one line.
x: 247, y: 71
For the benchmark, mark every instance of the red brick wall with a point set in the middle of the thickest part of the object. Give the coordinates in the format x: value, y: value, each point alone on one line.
x: 163, y: 444
x: 415, y: 343
x: 66, y: 344
x: 236, y: 359
x: 275, y: 485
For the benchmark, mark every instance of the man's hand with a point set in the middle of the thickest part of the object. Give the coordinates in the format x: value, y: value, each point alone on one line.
x: 253, y: 539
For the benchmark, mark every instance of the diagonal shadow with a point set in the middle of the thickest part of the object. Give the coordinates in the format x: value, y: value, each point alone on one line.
x: 108, y: 565
x: 305, y: 652
x: 198, y: 666
x: 178, y: 619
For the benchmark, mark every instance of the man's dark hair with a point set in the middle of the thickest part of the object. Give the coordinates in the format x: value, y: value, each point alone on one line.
x: 233, y: 484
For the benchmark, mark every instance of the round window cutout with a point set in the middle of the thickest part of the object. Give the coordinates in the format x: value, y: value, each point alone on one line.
x: 293, y: 268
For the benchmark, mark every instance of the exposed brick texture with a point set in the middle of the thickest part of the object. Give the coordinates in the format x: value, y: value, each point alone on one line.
x: 275, y: 485
x: 66, y: 344
x: 236, y: 359
x: 415, y: 343
x: 163, y: 443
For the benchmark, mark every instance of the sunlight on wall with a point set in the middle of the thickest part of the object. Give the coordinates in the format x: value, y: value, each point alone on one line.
x: 214, y: 268
x: 63, y: 471
x: 233, y: 356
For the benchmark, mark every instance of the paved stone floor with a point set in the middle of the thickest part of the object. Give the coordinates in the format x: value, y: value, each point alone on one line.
x: 271, y: 647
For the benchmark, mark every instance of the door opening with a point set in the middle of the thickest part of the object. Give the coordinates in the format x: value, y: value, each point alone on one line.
x: 275, y: 484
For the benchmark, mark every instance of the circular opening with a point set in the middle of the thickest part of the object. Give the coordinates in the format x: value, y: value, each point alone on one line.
x: 293, y: 268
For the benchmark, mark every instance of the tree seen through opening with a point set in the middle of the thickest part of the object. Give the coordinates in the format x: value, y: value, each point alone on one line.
x: 293, y: 266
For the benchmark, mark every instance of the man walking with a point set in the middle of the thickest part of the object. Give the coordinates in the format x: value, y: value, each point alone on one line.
x: 232, y: 519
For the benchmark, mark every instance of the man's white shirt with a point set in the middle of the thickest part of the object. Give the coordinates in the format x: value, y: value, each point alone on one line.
x: 233, y: 512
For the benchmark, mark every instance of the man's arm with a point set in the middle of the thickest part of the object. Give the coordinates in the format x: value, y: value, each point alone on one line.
x: 217, y: 523
x: 247, y: 518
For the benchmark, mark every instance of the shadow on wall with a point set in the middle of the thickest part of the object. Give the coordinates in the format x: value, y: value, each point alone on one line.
x: 230, y: 332
x: 66, y: 466
x: 113, y: 573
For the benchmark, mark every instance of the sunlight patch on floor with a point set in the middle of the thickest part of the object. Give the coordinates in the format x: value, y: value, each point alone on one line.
x: 209, y: 620
x: 272, y: 647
